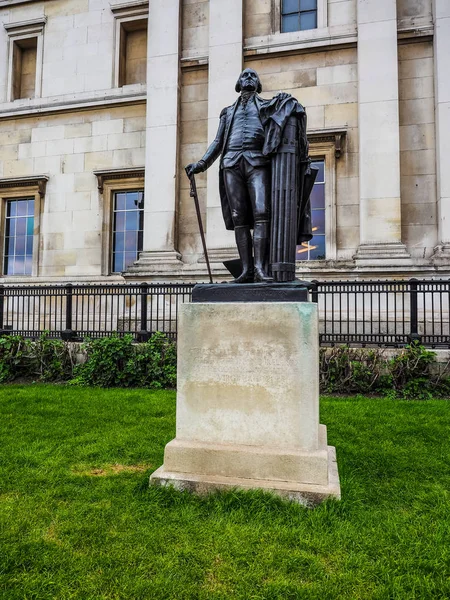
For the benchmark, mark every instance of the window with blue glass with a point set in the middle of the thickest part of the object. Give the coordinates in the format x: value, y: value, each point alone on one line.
x: 128, y: 228
x: 19, y: 235
x: 298, y: 15
x: 315, y: 248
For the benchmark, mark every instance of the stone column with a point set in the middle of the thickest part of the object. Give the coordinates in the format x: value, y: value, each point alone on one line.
x: 442, y: 114
x: 162, y: 132
x: 225, y: 65
x: 379, y: 135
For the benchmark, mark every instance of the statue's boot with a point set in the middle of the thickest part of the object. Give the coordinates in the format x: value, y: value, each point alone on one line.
x: 244, y: 244
x: 261, y: 249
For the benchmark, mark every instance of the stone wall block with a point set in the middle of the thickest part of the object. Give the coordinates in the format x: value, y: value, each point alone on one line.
x: 417, y: 137
x: 416, y: 111
x: 58, y: 147
x: 341, y: 115
x: 337, y: 74
x: 118, y: 141
x: 107, y: 127
x: 341, y: 13
x: 418, y: 162
x: 68, y: 7
x: 47, y: 164
x: 416, y: 88
x: 78, y: 130
x: 98, y: 160
x: 73, y: 163
x: 47, y: 133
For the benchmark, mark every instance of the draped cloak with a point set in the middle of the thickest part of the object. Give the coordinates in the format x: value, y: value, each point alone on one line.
x: 274, y: 115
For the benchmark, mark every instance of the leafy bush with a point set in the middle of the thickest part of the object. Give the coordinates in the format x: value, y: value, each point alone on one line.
x: 49, y: 359
x: 410, y: 374
x: 13, y: 350
x: 44, y: 359
x: 353, y: 370
x: 117, y: 362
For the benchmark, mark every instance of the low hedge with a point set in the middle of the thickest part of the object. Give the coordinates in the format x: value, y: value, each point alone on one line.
x: 117, y: 361
x: 106, y: 362
x: 411, y: 374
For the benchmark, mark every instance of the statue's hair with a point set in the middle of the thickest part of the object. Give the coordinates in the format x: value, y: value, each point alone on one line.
x: 238, y: 82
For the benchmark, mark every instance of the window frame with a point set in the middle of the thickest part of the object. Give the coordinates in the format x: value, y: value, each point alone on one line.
x: 300, y: 35
x: 326, y: 151
x: 299, y: 15
x: 17, y: 32
x: 109, y: 182
x: 15, y: 190
x: 11, y: 219
x: 125, y: 14
x: 114, y: 210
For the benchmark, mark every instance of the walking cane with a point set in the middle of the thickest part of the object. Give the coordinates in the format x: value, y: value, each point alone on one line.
x: 194, y: 195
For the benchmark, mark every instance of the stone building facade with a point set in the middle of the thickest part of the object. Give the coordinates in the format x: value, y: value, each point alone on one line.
x: 103, y: 102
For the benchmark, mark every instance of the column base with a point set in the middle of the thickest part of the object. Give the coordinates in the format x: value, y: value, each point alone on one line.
x: 386, y: 255
x: 308, y: 494
x: 150, y: 263
x: 219, y: 255
x: 441, y: 255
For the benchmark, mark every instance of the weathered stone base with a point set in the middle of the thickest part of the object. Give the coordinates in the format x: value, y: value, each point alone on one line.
x: 248, y: 402
x: 303, y: 493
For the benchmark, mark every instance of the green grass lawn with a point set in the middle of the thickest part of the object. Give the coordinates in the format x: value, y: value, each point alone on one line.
x: 77, y: 519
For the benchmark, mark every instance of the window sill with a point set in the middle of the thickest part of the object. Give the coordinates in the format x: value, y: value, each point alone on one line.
x: 298, y: 40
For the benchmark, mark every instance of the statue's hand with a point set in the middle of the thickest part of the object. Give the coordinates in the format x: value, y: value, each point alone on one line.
x: 283, y: 95
x: 195, y: 168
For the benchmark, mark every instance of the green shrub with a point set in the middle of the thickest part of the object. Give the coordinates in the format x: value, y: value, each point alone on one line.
x: 44, y: 359
x: 49, y: 359
x: 353, y: 370
x: 410, y: 374
x: 118, y: 362
x: 13, y: 350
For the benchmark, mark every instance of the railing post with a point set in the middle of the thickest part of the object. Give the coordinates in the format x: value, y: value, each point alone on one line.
x: 414, y: 333
x: 144, y: 335
x: 315, y: 291
x: 2, y: 304
x: 68, y: 334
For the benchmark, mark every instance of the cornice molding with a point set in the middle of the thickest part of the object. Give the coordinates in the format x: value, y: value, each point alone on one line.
x: 110, y: 174
x: 135, y: 7
x: 8, y: 3
x: 39, y: 181
x: 330, y: 136
x: 25, y: 26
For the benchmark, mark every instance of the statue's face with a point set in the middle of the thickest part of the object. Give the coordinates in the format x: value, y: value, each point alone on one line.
x: 249, y: 80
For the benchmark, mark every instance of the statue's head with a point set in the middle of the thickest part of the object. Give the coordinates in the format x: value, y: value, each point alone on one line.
x: 248, y: 82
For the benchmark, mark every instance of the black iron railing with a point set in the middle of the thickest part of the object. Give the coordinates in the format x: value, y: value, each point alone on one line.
x: 75, y: 312
x: 383, y: 313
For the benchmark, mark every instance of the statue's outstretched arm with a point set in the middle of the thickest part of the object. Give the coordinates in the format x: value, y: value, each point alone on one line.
x: 213, y: 152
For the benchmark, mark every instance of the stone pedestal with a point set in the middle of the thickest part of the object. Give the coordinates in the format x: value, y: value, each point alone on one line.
x: 248, y: 402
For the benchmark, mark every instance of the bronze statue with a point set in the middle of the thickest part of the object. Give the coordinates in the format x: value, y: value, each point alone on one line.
x: 264, y: 179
